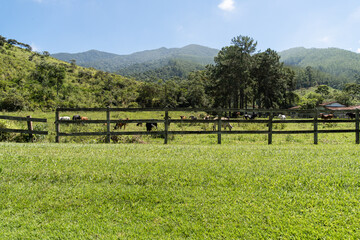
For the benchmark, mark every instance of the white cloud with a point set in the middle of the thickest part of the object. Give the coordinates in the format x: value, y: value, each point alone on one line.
x: 35, y: 48
x: 358, y: 50
x: 227, y: 5
x: 325, y: 39
x: 355, y: 15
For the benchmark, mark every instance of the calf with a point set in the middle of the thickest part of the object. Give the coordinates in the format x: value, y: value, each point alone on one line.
x: 150, y: 126
x: 76, y: 117
x: 120, y: 124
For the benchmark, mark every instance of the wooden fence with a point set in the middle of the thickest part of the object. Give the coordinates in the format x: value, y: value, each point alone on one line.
x: 30, y: 129
x: 166, y: 121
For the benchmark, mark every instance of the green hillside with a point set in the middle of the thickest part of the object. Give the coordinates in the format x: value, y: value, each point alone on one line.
x: 30, y: 80
x: 342, y: 64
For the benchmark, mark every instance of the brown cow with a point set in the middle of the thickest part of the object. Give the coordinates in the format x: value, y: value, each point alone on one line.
x: 84, y: 118
x: 326, y: 116
x: 120, y: 124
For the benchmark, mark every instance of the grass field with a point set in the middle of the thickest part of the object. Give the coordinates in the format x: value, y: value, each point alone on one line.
x: 155, y: 191
x: 211, y: 139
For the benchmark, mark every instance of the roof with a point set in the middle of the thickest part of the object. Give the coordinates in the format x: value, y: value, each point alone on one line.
x: 350, y: 108
x: 332, y: 104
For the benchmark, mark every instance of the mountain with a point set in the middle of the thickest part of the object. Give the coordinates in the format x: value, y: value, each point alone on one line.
x: 337, y: 62
x: 164, y: 69
x: 83, y: 58
x: 116, y: 63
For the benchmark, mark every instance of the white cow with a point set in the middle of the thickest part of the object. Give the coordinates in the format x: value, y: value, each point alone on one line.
x: 223, y: 125
x: 282, y: 117
x: 65, y: 118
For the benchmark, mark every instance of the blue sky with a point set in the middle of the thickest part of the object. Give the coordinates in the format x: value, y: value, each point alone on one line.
x: 127, y: 26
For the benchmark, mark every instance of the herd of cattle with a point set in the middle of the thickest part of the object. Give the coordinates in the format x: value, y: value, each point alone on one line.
x: 153, y: 125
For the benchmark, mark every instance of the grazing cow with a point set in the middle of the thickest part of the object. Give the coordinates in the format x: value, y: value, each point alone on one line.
x: 139, y: 124
x: 84, y: 118
x: 65, y: 118
x: 223, y: 125
x: 120, y: 124
x: 250, y: 117
x: 76, y: 117
x: 182, y: 117
x: 235, y: 114
x: 207, y: 117
x: 326, y: 116
x: 193, y: 118
x: 282, y: 117
x: 150, y: 126
x: 350, y: 115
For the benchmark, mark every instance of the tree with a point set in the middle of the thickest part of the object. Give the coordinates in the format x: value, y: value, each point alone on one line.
x: 231, y: 73
x: 324, y: 90
x: 311, y: 100
x: 273, y: 84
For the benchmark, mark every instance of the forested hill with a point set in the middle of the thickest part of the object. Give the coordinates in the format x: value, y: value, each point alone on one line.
x: 84, y: 57
x: 337, y: 62
x: 116, y: 63
x: 164, y: 69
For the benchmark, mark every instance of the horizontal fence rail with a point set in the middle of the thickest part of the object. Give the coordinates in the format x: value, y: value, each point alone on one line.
x: 30, y: 129
x: 217, y: 123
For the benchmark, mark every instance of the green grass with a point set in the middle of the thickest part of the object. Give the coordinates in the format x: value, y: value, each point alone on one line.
x: 333, y: 139
x: 153, y: 191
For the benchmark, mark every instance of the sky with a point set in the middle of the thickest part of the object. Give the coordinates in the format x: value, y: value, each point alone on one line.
x: 128, y: 26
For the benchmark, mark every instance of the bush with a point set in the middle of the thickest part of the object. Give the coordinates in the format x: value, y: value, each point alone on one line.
x: 13, y: 103
x: 6, y: 136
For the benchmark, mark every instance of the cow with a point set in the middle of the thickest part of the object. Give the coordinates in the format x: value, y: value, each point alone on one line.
x: 207, y: 117
x: 120, y: 124
x: 236, y: 114
x: 326, y: 116
x: 84, y: 118
x: 150, y: 126
x: 282, y: 117
x: 76, y: 117
x: 182, y: 117
x: 193, y: 118
x: 223, y: 125
x: 250, y: 117
x: 350, y: 115
x: 65, y: 118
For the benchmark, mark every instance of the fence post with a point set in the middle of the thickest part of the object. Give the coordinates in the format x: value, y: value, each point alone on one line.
x: 57, y: 126
x: 316, y: 126
x: 30, y: 128
x: 357, y: 126
x: 270, y: 128
x: 108, y: 125
x: 219, y: 127
x: 166, y: 127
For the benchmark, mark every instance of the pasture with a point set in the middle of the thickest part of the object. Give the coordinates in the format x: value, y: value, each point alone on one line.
x: 198, y: 139
x: 177, y: 191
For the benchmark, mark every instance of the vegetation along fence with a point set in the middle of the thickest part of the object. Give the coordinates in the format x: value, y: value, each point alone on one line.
x: 29, y: 129
x: 313, y: 118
